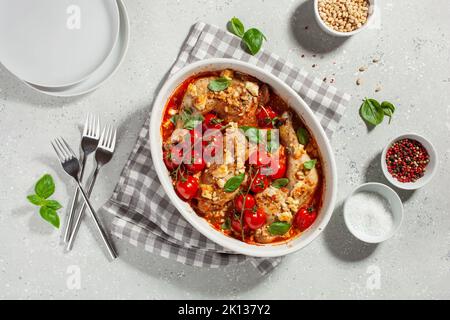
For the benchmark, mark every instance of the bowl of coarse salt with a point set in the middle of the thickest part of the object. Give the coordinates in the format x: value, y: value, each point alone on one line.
x: 373, y: 212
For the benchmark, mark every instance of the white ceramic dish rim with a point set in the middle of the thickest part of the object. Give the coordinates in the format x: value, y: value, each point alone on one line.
x: 333, y: 32
x: 330, y: 171
x: 121, y: 46
x: 431, y: 167
x: 395, y: 197
x: 88, y: 74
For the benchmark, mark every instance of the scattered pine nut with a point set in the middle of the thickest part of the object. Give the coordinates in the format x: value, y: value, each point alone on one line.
x: 378, y: 88
x: 358, y: 81
x: 362, y: 69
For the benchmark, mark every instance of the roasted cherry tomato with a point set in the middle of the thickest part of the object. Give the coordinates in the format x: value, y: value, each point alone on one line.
x: 266, y: 117
x: 197, y: 163
x: 187, y: 187
x: 173, y: 157
x: 211, y: 121
x: 195, y: 135
x: 249, y: 203
x: 236, y: 225
x: 305, y: 218
x: 260, y: 183
x: 259, y: 158
x: 276, y: 169
x: 255, y: 219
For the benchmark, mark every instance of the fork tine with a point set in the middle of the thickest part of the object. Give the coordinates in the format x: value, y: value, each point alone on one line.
x: 58, y: 154
x: 86, y: 125
x: 61, y: 149
x: 102, y: 137
x: 97, y: 131
x: 108, y: 142
x: 68, y: 149
x: 113, y: 142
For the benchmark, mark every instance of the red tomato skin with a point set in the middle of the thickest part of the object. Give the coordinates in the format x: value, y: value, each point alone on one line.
x: 208, y: 122
x: 187, y: 189
x: 259, y: 158
x: 255, y: 219
x: 265, y: 117
x: 260, y: 183
x: 304, y: 218
x: 170, y: 165
x: 250, y: 202
x: 198, y: 163
x: 236, y: 225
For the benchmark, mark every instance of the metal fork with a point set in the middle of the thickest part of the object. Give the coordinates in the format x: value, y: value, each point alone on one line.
x: 71, y: 166
x: 89, y: 141
x: 103, y: 155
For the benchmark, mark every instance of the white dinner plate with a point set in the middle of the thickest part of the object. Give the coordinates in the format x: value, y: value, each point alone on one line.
x: 105, y: 71
x: 56, y: 43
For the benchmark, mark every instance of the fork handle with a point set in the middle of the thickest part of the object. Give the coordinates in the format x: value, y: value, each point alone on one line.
x: 79, y: 217
x: 111, y: 251
x: 73, y: 205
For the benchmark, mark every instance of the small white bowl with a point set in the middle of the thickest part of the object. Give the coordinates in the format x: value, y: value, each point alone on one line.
x: 394, y: 201
x: 333, y: 32
x: 429, y: 171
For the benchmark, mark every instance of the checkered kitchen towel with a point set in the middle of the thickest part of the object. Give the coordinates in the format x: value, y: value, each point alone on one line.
x: 144, y: 215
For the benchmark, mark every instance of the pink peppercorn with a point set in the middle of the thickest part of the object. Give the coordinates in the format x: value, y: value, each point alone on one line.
x: 406, y: 160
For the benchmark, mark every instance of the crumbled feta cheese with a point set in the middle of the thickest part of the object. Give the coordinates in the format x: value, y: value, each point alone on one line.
x: 207, y: 191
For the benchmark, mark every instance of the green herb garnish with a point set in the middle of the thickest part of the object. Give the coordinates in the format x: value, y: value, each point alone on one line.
x: 219, y: 84
x: 279, y: 183
x: 303, y: 136
x: 373, y: 112
x: 44, y: 188
x: 189, y: 119
x: 388, y: 109
x: 233, y: 183
x: 309, y: 165
x: 253, y: 38
x: 226, y: 225
x: 279, y: 228
x: 237, y: 27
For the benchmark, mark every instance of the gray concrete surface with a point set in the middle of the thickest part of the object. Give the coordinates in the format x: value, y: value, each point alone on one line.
x: 412, y: 39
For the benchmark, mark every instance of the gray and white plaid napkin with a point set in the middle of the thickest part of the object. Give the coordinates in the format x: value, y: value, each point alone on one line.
x: 144, y: 215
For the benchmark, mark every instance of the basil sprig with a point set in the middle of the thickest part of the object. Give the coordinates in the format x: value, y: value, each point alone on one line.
x: 219, y: 84
x: 189, y: 119
x: 237, y: 27
x: 44, y: 188
x: 302, y: 136
x: 279, y: 228
x: 279, y: 183
x: 373, y: 112
x: 234, y: 182
x: 252, y: 38
x: 310, y: 164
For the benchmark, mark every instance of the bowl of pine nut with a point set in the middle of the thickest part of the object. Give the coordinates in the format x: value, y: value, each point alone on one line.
x: 343, y: 18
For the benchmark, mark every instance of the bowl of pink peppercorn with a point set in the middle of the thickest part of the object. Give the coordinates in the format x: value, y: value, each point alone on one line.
x: 409, y: 161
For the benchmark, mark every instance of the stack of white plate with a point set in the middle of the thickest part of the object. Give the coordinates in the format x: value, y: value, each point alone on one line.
x: 63, y: 47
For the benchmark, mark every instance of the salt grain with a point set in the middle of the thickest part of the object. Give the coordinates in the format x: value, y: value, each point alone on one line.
x: 370, y: 214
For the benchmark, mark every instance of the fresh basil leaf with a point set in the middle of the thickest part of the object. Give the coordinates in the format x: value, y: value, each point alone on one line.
x: 279, y: 183
x: 50, y: 215
x: 35, y: 199
x: 252, y: 133
x: 237, y: 27
x: 192, y: 122
x: 309, y: 165
x: 233, y: 183
x: 388, y: 109
x: 174, y: 119
x: 226, y: 225
x: 303, y: 136
x: 279, y: 228
x: 45, y: 186
x: 371, y: 111
x: 52, y: 204
x: 253, y: 39
x: 219, y: 84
